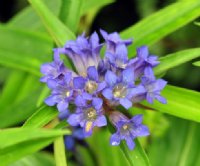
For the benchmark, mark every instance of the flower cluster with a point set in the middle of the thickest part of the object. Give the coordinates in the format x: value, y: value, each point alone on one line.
x: 99, y: 85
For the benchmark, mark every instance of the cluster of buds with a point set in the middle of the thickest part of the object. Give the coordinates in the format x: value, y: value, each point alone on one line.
x: 101, y: 83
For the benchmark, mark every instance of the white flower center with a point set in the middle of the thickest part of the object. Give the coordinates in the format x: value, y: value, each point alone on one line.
x: 91, y: 86
x: 90, y: 114
x: 67, y: 93
x: 119, y: 91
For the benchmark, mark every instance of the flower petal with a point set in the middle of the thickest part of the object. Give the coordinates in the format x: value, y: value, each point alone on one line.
x: 130, y: 143
x: 62, y: 106
x: 74, y: 119
x: 51, y: 83
x: 128, y: 76
x: 140, y: 131
x: 125, y: 103
x: 161, y: 99
x: 79, y: 82
x: 150, y: 98
x: 92, y: 73
x: 69, y: 142
x: 80, y: 101
x: 115, y: 139
x: 137, y: 119
x: 51, y: 100
x: 101, y: 121
x: 107, y: 93
x: 110, y: 78
x: 101, y: 86
x: 64, y: 114
x: 143, y: 52
x: 148, y: 73
x: 160, y: 84
x: 97, y: 103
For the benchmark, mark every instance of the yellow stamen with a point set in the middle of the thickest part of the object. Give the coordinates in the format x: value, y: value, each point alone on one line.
x: 67, y: 93
x: 88, y: 126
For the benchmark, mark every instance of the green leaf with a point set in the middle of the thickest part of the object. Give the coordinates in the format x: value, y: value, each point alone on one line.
x: 181, y: 102
x: 161, y: 23
x: 91, y: 4
x: 59, y: 152
x: 70, y: 13
x: 181, y: 140
x: 197, y: 23
x: 11, y: 88
x: 136, y: 157
x: 15, y: 152
x: 26, y: 134
x: 26, y: 50
x: 29, y: 19
x: 26, y: 141
x: 36, y: 159
x: 41, y: 117
x: 55, y: 27
x: 19, y: 111
x: 44, y: 93
x: 196, y: 63
x: 101, y: 149
x: 172, y: 60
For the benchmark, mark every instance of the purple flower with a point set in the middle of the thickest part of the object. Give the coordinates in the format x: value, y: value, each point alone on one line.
x: 127, y: 129
x: 77, y: 135
x: 53, y: 70
x: 91, y: 84
x: 113, y: 40
x: 88, y: 117
x: 142, y: 61
x: 121, y: 89
x: 84, y: 52
x: 62, y: 93
x: 153, y: 87
x: 100, y: 84
x: 119, y: 59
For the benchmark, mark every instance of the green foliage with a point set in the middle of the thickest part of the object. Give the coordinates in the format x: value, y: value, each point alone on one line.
x: 172, y: 60
x: 41, y: 117
x: 181, y: 102
x: 39, y: 159
x: 71, y: 6
x: 56, y: 28
x: 158, y: 25
x: 25, y: 142
x: 196, y: 63
x: 137, y: 156
x: 59, y: 152
x: 181, y: 140
x: 106, y: 154
x: 26, y: 50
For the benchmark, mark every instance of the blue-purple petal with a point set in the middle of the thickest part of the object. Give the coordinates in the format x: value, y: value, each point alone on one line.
x: 125, y: 103
x: 130, y: 143
x: 115, y: 139
x: 79, y: 82
x: 97, y: 103
x: 143, y: 52
x: 62, y: 106
x: 107, y: 93
x: 75, y: 119
x: 128, y: 76
x: 101, y: 121
x: 110, y: 78
x: 92, y: 73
